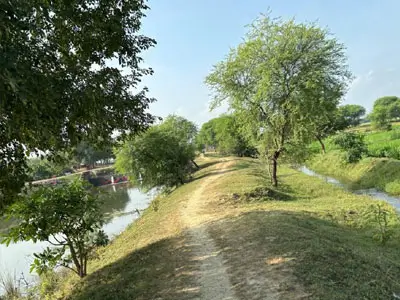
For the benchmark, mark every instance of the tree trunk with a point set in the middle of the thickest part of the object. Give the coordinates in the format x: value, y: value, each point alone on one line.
x: 274, y: 177
x: 322, y: 144
x: 196, y: 165
x: 78, y: 266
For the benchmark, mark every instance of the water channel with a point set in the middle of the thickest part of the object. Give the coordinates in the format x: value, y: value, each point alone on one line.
x: 121, y: 203
x: 373, y: 193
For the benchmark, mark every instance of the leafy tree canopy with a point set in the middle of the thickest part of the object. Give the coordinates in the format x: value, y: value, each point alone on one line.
x: 224, y: 135
x: 181, y: 128
x: 279, y: 79
x: 160, y: 157
x: 384, y: 111
x: 350, y: 115
x: 56, y: 86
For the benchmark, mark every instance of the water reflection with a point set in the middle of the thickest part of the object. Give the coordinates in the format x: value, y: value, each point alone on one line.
x: 373, y: 193
x: 120, y: 203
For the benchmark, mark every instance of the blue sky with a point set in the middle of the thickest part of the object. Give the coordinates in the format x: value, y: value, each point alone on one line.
x: 193, y: 35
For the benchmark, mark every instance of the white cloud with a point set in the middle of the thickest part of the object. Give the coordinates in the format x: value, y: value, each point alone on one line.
x: 367, y: 87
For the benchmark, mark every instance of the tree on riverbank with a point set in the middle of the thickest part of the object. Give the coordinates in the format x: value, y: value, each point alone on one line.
x: 278, y: 80
x: 57, y: 88
x: 160, y: 157
x: 66, y: 216
x: 224, y: 135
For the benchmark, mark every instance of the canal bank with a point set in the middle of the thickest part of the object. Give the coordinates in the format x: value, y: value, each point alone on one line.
x: 120, y: 203
x: 372, y: 192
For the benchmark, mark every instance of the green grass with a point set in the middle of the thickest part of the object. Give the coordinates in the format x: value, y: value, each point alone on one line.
x: 144, y: 260
x: 370, y: 172
x: 316, y: 244
x: 320, y: 236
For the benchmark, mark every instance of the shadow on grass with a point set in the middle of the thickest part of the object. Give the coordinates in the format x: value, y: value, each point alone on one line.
x: 209, y: 164
x: 298, y: 256
x: 162, y: 270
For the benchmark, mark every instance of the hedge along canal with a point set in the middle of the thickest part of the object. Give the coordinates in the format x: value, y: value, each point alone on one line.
x: 373, y: 193
x: 120, y: 204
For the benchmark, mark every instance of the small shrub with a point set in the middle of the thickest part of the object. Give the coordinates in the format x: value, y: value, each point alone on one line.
x: 393, y: 187
x: 353, y: 144
x: 68, y: 217
x: 49, y: 283
x: 382, y: 217
x: 10, y: 286
x: 395, y: 135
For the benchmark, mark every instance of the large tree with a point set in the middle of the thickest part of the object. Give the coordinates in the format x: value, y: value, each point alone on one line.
x: 57, y: 87
x: 224, y: 134
x: 384, y: 111
x: 351, y: 114
x: 182, y: 129
x: 157, y: 158
x: 338, y: 118
x: 279, y: 79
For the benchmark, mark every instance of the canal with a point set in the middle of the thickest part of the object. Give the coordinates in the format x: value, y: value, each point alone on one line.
x: 121, y: 204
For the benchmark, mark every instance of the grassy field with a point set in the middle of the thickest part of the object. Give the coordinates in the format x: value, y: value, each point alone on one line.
x: 380, y: 169
x: 370, y: 172
x: 305, y: 240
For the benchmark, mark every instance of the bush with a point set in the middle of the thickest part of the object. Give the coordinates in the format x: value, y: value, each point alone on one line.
x: 383, y: 218
x: 395, y: 135
x: 156, y: 158
x: 393, y: 187
x: 353, y: 144
x: 68, y: 217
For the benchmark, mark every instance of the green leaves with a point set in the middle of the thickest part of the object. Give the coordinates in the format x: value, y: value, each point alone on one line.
x: 353, y: 144
x: 385, y: 110
x: 66, y: 216
x: 56, y: 86
x: 160, y: 157
x: 225, y: 135
x: 282, y: 81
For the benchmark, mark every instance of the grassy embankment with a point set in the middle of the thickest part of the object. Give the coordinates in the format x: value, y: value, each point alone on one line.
x: 307, y: 233
x: 381, y: 169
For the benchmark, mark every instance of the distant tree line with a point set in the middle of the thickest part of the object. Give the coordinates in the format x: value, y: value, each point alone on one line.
x: 68, y: 162
x: 386, y: 109
x: 224, y: 135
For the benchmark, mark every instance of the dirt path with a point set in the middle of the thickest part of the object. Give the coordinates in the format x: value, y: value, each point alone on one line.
x: 213, y: 278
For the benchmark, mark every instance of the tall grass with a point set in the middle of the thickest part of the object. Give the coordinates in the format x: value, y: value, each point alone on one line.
x: 9, y: 286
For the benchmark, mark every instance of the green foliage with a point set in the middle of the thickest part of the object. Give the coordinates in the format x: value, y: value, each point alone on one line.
x: 279, y: 79
x: 350, y: 115
x: 384, y: 218
x: 184, y: 130
x: 393, y: 187
x: 66, y: 216
x: 384, y: 143
x: 206, y: 137
x: 353, y: 144
x: 385, y: 109
x: 157, y: 158
x: 44, y: 168
x: 56, y: 87
x: 224, y: 135
x: 87, y: 154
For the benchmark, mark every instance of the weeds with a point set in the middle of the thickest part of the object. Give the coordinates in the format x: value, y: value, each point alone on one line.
x: 383, y: 218
x: 9, y: 284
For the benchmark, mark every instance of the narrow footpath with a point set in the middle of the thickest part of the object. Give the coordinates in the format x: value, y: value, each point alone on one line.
x: 213, y: 278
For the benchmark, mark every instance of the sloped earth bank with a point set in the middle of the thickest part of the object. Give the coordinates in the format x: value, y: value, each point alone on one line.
x: 227, y: 235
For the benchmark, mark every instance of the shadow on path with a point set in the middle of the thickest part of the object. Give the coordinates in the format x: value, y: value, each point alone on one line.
x: 162, y: 270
